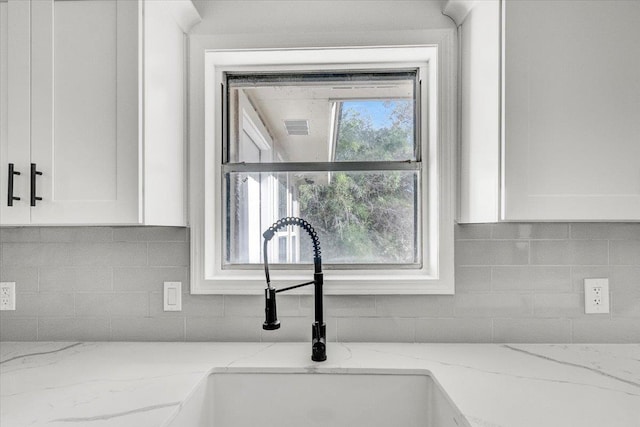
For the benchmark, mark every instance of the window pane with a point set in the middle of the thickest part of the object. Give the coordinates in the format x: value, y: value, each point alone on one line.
x: 282, y: 199
x: 323, y: 117
x: 246, y: 223
x: 375, y: 130
x: 282, y: 250
x: 368, y: 217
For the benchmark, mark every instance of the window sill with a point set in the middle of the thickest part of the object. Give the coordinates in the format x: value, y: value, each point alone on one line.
x: 388, y: 282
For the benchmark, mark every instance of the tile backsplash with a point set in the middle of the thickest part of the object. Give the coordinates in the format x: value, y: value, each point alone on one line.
x: 514, y: 283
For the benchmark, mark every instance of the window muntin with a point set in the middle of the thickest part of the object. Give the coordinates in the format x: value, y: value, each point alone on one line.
x: 355, y: 176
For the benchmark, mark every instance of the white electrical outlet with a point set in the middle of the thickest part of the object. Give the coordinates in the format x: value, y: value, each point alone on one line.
x: 172, y: 296
x: 596, y: 296
x: 7, y: 295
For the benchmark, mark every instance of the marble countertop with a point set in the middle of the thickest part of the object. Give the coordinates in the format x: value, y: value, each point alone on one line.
x: 144, y: 384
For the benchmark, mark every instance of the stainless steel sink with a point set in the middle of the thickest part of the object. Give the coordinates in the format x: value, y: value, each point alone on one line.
x: 322, y: 397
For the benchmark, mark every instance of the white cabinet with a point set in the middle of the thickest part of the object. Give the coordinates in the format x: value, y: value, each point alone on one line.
x: 105, y: 95
x: 568, y: 147
x: 14, y: 111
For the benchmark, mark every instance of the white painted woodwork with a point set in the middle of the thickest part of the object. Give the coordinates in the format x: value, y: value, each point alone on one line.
x: 96, y: 98
x: 569, y: 113
x: 208, y: 60
x: 572, y: 110
x: 182, y: 12
x: 479, y: 154
x: 164, y: 117
x: 84, y: 133
x: 14, y: 108
x: 458, y: 10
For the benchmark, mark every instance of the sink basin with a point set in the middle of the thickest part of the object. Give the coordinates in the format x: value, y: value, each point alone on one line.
x: 245, y: 397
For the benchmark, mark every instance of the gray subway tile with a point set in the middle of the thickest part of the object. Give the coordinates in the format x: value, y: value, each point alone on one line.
x: 414, y: 305
x: 75, y: 279
x: 169, y: 254
x: 150, y: 234
x: 472, y: 231
x: 19, y: 234
x: 531, y: 330
x: 43, y: 304
x: 224, y: 329
x: 112, y: 304
x: 569, y: 252
x: 522, y: 278
x: 73, y: 329
x: 625, y: 305
x: 19, y: 329
x: 243, y: 305
x: 559, y: 305
x: 579, y: 273
x: 26, y: 278
x: 618, y: 331
x: 492, y: 252
x: 147, y: 329
x: 108, y: 254
x: 624, y: 252
x: 253, y: 305
x: 149, y: 278
x: 35, y: 254
x: 74, y: 254
x: 493, y: 305
x: 192, y: 305
x: 341, y: 305
x: 451, y: 330
x: 625, y: 279
x: 472, y: 279
x: 287, y: 305
x: 76, y: 234
x: 530, y: 231
x: 375, y: 329
x: 621, y: 231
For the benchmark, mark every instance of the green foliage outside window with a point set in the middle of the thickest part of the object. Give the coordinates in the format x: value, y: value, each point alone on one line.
x: 369, y: 216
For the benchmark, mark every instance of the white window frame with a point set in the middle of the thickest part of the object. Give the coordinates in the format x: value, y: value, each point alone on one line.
x: 436, y: 276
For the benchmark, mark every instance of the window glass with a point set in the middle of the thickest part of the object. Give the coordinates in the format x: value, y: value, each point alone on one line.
x: 374, y: 130
x: 362, y: 217
x: 337, y: 149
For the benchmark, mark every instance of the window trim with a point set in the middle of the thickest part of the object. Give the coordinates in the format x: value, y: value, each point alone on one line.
x: 436, y: 275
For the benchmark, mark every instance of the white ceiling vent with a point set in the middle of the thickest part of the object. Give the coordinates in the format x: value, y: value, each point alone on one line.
x: 297, y: 127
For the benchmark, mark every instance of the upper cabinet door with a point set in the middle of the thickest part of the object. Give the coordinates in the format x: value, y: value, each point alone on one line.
x: 14, y: 112
x: 571, y: 110
x: 85, y: 111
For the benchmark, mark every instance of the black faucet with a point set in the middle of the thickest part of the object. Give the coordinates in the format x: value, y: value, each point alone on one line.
x: 319, y: 328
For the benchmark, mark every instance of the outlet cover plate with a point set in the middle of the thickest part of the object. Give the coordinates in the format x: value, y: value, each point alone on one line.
x: 7, y: 296
x: 596, y: 296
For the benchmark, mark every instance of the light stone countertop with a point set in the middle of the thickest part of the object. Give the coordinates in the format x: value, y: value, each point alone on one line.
x: 144, y: 384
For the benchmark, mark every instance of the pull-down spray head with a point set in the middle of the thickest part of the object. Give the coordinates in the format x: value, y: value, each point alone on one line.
x: 271, y: 317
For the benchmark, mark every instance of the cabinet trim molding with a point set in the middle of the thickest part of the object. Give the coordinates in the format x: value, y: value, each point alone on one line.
x: 458, y: 10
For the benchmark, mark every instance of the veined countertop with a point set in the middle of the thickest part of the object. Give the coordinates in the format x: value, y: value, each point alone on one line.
x: 144, y: 384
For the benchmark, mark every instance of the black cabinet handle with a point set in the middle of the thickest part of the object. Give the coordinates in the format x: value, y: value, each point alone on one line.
x: 34, y: 172
x: 10, y: 196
